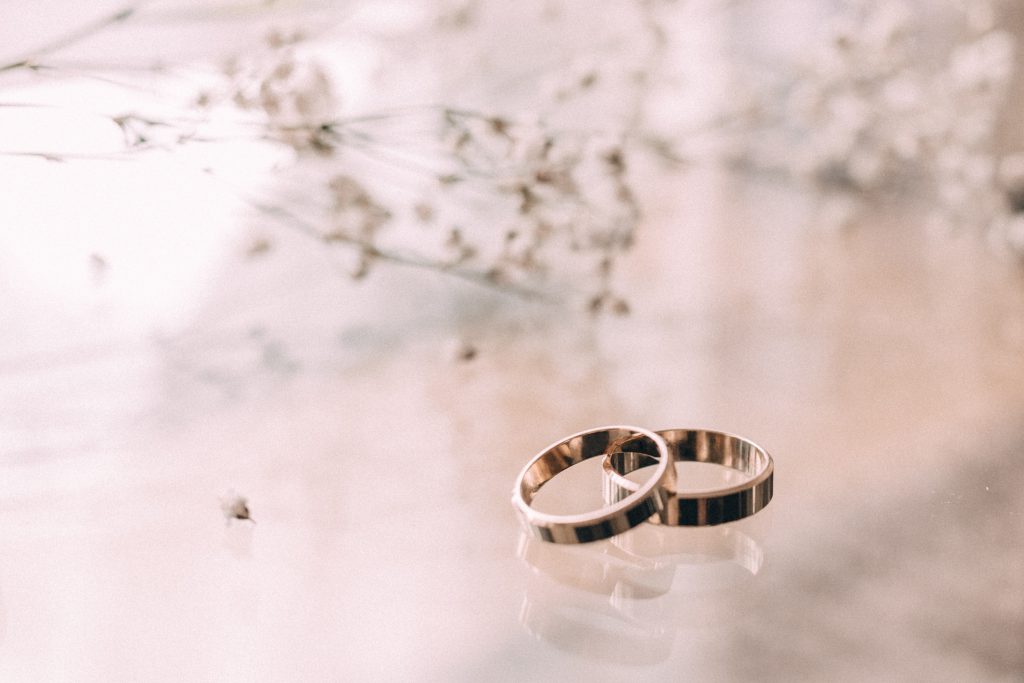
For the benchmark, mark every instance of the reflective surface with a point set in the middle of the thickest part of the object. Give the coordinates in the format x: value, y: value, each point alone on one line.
x: 629, y: 601
x: 882, y: 367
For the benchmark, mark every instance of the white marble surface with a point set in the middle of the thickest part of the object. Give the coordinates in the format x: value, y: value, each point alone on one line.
x: 883, y: 367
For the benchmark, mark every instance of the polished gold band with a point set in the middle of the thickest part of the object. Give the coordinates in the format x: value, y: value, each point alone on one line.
x: 699, y: 508
x: 625, y: 512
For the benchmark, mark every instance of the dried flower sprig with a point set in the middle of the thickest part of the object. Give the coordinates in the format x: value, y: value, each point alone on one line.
x: 872, y: 112
x: 291, y: 90
x: 558, y: 193
x: 554, y: 196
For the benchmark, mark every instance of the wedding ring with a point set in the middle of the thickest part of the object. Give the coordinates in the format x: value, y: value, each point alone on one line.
x: 698, y: 508
x: 625, y: 512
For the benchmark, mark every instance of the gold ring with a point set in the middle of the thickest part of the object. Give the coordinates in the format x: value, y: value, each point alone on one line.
x: 627, y: 511
x: 699, y: 508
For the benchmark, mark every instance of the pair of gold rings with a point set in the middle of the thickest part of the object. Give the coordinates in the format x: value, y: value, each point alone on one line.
x: 626, y: 449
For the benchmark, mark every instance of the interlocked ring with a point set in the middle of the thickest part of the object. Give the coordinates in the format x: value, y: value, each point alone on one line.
x: 622, y: 514
x: 699, y: 508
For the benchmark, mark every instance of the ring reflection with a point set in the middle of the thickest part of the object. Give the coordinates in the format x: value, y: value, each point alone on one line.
x: 626, y: 598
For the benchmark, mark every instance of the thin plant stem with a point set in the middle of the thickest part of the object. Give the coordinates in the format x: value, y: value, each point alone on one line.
x: 76, y: 36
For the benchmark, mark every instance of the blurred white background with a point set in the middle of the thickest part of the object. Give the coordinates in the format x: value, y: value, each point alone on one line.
x: 358, y: 262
